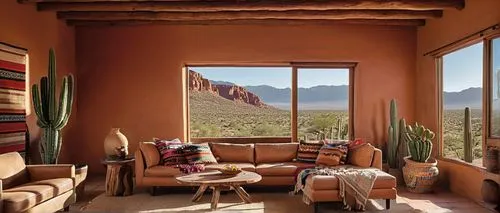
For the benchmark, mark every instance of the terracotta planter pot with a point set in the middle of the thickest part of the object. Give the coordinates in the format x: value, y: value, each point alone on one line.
x: 420, y: 177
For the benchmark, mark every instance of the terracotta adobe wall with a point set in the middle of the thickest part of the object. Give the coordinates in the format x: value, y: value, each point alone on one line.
x: 130, y: 77
x: 23, y: 26
x: 477, y: 15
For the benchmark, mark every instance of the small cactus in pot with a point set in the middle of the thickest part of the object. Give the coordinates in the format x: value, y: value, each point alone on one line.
x: 420, y: 171
x: 419, y: 142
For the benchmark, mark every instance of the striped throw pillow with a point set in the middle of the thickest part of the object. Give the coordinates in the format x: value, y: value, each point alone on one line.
x: 308, y: 151
x: 332, y: 154
x: 170, y: 152
x: 198, y: 154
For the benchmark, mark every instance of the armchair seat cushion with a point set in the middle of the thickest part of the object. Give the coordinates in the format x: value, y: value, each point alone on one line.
x: 326, y: 182
x: 21, y: 198
x: 60, y: 185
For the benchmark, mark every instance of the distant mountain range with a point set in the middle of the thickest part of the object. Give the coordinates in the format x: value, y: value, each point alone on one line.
x: 335, y: 97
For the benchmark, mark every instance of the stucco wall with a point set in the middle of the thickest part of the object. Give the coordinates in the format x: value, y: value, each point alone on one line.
x: 477, y: 15
x: 130, y: 77
x: 23, y: 26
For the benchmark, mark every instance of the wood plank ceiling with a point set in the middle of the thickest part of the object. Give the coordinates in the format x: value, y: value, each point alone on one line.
x: 278, y: 12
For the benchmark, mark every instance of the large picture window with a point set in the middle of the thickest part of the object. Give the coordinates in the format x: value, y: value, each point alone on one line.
x: 470, y: 78
x: 273, y: 102
x: 462, y: 87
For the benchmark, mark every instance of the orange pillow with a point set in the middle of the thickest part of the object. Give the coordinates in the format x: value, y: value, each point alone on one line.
x: 361, y: 155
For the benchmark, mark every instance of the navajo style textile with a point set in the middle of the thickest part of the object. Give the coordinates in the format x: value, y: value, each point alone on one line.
x: 12, y: 99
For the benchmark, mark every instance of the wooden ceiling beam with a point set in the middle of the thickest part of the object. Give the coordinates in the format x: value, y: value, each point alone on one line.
x: 249, y: 15
x: 278, y: 22
x: 243, y: 5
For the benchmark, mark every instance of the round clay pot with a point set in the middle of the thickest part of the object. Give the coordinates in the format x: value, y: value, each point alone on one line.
x: 420, y: 177
x: 115, y: 144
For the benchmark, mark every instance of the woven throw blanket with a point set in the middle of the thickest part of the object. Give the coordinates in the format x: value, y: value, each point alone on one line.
x: 355, y: 185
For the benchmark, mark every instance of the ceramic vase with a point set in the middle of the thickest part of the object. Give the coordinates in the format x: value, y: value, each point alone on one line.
x: 115, y: 144
x: 420, y: 177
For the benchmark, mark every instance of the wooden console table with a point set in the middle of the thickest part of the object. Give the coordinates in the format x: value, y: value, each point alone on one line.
x: 119, y: 177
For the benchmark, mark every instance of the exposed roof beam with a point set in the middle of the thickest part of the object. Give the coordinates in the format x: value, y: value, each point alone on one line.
x: 243, y: 5
x: 249, y: 15
x: 394, y: 22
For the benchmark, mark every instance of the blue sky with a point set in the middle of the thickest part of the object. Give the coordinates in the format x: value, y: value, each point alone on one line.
x: 463, y: 69
x: 279, y: 77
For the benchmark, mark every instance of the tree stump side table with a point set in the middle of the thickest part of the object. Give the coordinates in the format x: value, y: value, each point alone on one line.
x: 119, y: 176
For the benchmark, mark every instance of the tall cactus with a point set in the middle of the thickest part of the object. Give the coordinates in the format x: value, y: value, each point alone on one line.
x: 419, y: 142
x: 52, y: 115
x: 468, y: 141
x: 393, y: 131
x: 403, y: 144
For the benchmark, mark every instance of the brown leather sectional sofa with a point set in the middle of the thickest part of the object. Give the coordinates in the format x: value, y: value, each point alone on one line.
x: 275, y: 162
x: 35, y: 188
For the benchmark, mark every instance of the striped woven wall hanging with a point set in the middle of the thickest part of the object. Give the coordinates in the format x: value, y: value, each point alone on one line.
x: 13, y: 128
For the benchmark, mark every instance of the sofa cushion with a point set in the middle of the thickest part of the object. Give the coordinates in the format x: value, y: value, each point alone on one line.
x: 13, y: 170
x: 281, y: 169
x: 150, y: 153
x: 20, y: 198
x: 361, y: 156
x: 171, y: 152
x: 227, y: 152
x: 325, y: 182
x: 244, y: 166
x: 198, y: 154
x: 162, y: 171
x: 275, y: 152
x: 332, y: 155
x: 308, y: 151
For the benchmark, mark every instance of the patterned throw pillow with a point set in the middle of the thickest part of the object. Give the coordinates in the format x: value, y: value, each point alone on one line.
x: 308, y: 151
x: 170, y: 152
x: 198, y: 154
x: 333, y: 154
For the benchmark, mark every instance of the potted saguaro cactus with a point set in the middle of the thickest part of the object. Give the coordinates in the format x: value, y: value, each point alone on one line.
x: 420, y: 171
x: 52, y: 114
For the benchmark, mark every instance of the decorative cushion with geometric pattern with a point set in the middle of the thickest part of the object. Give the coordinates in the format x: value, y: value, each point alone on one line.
x: 308, y: 151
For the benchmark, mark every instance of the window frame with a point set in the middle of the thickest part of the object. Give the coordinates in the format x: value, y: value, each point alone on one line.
x: 295, y: 66
x: 487, y: 139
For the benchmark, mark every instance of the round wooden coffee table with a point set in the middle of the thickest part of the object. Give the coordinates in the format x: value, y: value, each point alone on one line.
x: 216, y: 181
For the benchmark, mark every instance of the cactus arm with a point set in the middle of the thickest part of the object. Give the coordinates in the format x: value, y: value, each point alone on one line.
x: 69, y: 101
x: 63, y: 104
x: 52, y: 86
x: 44, y: 98
x: 37, y: 106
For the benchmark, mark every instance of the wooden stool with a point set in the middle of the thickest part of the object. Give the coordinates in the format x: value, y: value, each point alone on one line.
x: 119, y: 176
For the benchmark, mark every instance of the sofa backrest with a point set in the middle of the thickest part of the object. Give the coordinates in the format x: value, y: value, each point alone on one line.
x: 13, y: 171
x: 150, y: 154
x: 275, y: 152
x: 229, y: 152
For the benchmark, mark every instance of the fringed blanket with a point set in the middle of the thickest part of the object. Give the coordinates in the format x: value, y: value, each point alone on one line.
x: 355, y: 185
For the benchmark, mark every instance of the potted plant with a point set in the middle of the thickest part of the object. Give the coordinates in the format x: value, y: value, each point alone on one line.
x: 420, y: 171
x: 53, y: 115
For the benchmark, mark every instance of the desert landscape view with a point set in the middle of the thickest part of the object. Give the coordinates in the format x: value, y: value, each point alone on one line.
x: 224, y: 109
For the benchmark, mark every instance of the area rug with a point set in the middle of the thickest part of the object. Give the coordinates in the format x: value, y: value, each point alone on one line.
x: 262, y: 203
